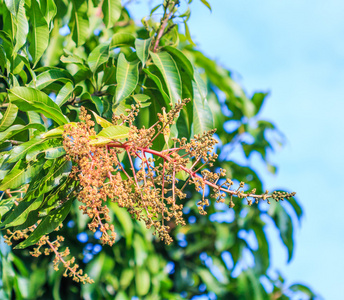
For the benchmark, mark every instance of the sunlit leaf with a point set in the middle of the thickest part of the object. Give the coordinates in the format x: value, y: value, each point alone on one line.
x: 79, y: 22
x: 112, y: 11
x: 206, y: 3
x: 126, y: 223
x: 52, y: 148
x: 39, y: 33
x: 101, y: 121
x: 98, y: 56
x: 21, y: 212
x: 47, y: 225
x: 6, y: 205
x: 49, y: 9
x: 57, y: 173
x: 32, y: 99
x: 185, y: 62
x: 127, y: 78
x: 202, y: 114
x: 22, y: 27
x: 115, y: 132
x: 170, y: 73
x: 19, y: 152
x: 142, y: 281
x: 126, y: 277
x: 142, y: 49
x: 187, y: 34
x: 50, y: 76
x: 64, y: 94
x: 13, y: 6
x: 15, y: 129
x: 8, y: 117
x: 122, y: 39
x: 21, y: 174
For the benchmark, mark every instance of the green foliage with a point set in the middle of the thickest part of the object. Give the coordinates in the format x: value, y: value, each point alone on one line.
x: 106, y: 64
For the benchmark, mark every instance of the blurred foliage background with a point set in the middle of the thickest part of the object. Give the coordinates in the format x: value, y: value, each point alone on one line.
x: 70, y: 50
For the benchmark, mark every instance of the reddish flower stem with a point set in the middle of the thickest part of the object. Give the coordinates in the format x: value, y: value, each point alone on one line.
x: 191, y: 172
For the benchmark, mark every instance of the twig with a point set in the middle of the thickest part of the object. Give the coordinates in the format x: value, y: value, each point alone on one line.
x: 163, y: 25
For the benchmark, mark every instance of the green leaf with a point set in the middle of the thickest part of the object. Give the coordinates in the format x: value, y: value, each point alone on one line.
x: 39, y: 33
x: 211, y: 282
x: 56, y: 132
x: 8, y: 117
x: 140, y: 97
x: 302, y: 288
x: 188, y: 35
x: 258, y: 100
x: 170, y: 73
x: 64, y: 94
x: 31, y: 99
x: 112, y: 11
x: 109, y: 75
x: 121, y: 295
x: 158, y: 83
x: 18, y: 152
x: 50, y: 76
x: 205, y: 2
x: 13, y: 6
x: 55, y: 152
x: 52, y: 148
x: 21, y: 174
x: 127, y: 276
x: 49, y: 10
x: 22, y: 27
x: 142, y: 281
x: 98, y: 56
x: 126, y: 223
x: 58, y: 172
x: 142, y: 49
x: 285, y: 226
x: 6, y: 205
x: 13, y: 130
x: 198, y: 246
x: 250, y: 287
x: 115, y: 132
x: 3, y: 59
x: 185, y: 62
x: 154, y: 9
x: 122, y: 39
x: 98, y: 103
x: 262, y: 254
x: 202, y: 114
x: 101, y: 121
x: 127, y: 77
x: 139, y: 250
x: 79, y: 23
x: 121, y: 108
x: 99, y: 140
x: 200, y: 84
x: 47, y: 225
x: 5, y: 167
x: 21, y: 212
x: 296, y: 206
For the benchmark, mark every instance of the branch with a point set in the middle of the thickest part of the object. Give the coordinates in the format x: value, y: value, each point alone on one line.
x: 163, y: 25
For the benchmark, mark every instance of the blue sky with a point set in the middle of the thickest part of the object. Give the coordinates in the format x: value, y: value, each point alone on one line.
x: 295, y: 50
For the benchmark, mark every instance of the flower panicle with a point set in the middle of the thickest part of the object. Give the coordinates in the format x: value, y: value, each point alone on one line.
x: 151, y: 193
